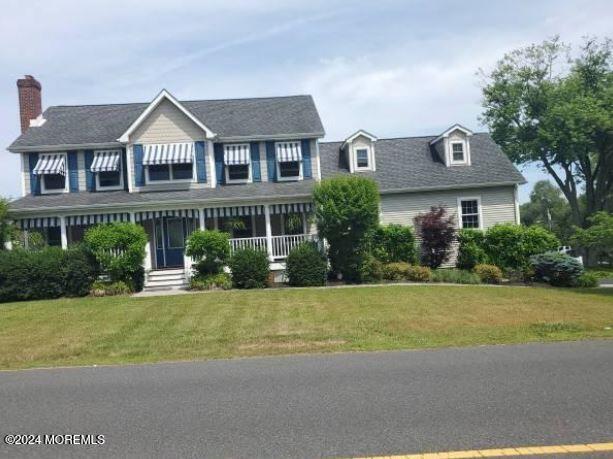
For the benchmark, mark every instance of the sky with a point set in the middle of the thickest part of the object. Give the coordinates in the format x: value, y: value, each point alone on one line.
x: 393, y: 68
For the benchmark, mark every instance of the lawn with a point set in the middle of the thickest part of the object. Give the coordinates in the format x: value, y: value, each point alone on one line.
x: 247, y: 323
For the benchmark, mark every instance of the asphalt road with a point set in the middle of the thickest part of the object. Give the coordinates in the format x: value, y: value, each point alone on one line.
x: 321, y: 405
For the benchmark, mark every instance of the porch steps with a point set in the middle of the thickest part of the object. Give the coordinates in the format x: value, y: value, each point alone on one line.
x: 165, y: 279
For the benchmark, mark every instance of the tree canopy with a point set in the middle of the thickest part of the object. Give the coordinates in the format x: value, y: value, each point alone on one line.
x: 549, y: 209
x: 544, y: 107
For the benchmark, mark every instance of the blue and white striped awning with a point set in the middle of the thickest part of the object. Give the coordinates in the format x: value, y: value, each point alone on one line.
x: 43, y: 222
x: 50, y: 164
x: 288, y: 152
x: 295, y: 208
x: 237, y: 154
x: 148, y: 215
x: 168, y: 153
x: 236, y: 211
x: 106, y: 161
x: 83, y: 220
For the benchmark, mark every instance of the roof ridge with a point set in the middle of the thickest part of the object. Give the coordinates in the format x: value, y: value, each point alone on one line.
x: 181, y: 101
x: 402, y: 138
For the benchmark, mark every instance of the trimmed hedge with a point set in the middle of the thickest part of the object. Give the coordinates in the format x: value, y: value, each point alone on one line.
x: 249, y: 268
x: 455, y: 276
x: 557, y: 269
x: 471, y: 250
x: 306, y: 266
x: 489, y: 274
x: 394, y: 243
x: 511, y: 246
x: 211, y: 249
x: 221, y: 281
x: 47, y: 273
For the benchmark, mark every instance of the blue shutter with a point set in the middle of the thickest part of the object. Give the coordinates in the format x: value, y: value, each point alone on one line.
x: 139, y: 170
x: 34, y: 179
x: 306, y: 159
x: 124, y: 168
x: 219, y: 172
x: 73, y: 171
x: 271, y: 161
x: 201, y: 161
x: 256, y: 173
x: 90, y: 179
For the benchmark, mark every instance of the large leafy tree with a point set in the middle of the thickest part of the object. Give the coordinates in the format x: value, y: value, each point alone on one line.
x: 549, y: 209
x: 543, y: 107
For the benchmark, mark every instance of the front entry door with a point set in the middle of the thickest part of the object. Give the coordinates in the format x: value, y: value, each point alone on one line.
x: 170, y: 242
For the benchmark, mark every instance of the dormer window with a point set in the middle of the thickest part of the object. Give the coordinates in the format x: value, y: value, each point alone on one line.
x: 107, y: 167
x: 359, y: 149
x: 289, y: 161
x: 237, y: 159
x: 361, y: 157
x: 457, y: 152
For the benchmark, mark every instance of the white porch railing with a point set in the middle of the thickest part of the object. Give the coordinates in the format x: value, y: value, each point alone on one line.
x: 281, y: 245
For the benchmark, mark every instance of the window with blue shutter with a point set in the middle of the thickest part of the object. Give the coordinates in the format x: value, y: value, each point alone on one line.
x: 256, y: 173
x: 306, y: 158
x: 219, y: 172
x: 139, y: 169
x: 200, y: 154
x: 271, y: 161
x: 73, y: 171
x: 34, y: 178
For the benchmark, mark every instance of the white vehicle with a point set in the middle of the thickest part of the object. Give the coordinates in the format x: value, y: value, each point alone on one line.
x: 568, y: 250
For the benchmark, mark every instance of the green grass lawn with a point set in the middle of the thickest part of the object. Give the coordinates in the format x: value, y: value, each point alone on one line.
x: 264, y: 322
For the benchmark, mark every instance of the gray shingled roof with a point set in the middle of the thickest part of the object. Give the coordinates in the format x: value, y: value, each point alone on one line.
x: 251, y: 193
x: 94, y: 124
x: 409, y: 163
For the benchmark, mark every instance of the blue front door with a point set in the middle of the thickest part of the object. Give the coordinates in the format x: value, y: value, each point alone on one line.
x: 169, y: 242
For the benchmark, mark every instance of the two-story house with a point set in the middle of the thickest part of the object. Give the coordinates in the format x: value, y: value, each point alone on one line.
x: 244, y: 165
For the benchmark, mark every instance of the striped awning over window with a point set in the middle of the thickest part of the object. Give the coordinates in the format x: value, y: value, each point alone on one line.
x: 44, y: 222
x: 237, y: 211
x: 140, y: 216
x: 235, y: 155
x: 168, y: 153
x: 50, y: 164
x: 291, y: 208
x: 106, y: 161
x: 76, y: 220
x: 288, y: 152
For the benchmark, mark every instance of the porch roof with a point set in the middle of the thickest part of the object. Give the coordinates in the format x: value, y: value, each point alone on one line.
x: 109, y: 201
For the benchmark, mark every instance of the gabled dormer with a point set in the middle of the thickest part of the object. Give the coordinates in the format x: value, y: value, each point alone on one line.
x: 453, y: 146
x: 359, y: 150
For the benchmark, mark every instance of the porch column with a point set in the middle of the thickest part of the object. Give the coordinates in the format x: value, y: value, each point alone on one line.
x: 132, y: 217
x: 63, y: 234
x: 268, y: 232
x: 201, y: 219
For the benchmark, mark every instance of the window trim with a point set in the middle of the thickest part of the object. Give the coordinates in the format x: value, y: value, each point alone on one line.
x: 368, y: 159
x: 148, y: 181
x: 43, y: 188
x: 464, y: 152
x: 289, y: 179
x: 113, y: 187
x: 249, y: 178
x: 479, y: 211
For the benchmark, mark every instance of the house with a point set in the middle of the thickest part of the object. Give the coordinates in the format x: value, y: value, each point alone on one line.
x: 244, y: 165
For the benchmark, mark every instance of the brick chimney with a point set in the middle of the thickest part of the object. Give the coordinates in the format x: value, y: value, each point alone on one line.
x: 30, y: 104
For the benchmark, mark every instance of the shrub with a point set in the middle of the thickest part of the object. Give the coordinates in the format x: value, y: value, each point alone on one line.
x: 306, y: 266
x: 419, y: 274
x: 393, y: 243
x: 210, y: 249
x: 346, y: 212
x: 370, y: 269
x: 455, y: 276
x: 557, y: 269
x: 471, y: 249
x: 221, y: 281
x: 395, y: 271
x: 249, y: 268
x: 119, y: 248
x: 489, y: 274
x: 47, y: 273
x: 437, y: 232
x: 599, y: 236
x: 103, y: 288
x: 587, y: 280
x: 511, y: 246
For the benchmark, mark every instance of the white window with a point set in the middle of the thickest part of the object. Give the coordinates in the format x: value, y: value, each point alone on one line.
x: 458, y: 155
x: 362, y: 158
x: 289, y: 161
x: 469, y: 211
x: 160, y: 173
x: 53, y: 173
x: 54, y: 183
x: 237, y: 160
x: 289, y: 170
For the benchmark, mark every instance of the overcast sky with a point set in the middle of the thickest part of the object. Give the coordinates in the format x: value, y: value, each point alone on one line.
x: 394, y: 68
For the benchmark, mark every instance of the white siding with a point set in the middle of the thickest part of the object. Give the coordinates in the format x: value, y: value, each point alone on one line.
x: 81, y: 165
x: 263, y: 162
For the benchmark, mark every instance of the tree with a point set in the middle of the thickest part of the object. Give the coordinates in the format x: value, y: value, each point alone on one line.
x: 437, y: 231
x: 541, y: 107
x: 549, y: 209
x: 210, y: 249
x: 346, y: 212
x: 599, y: 235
